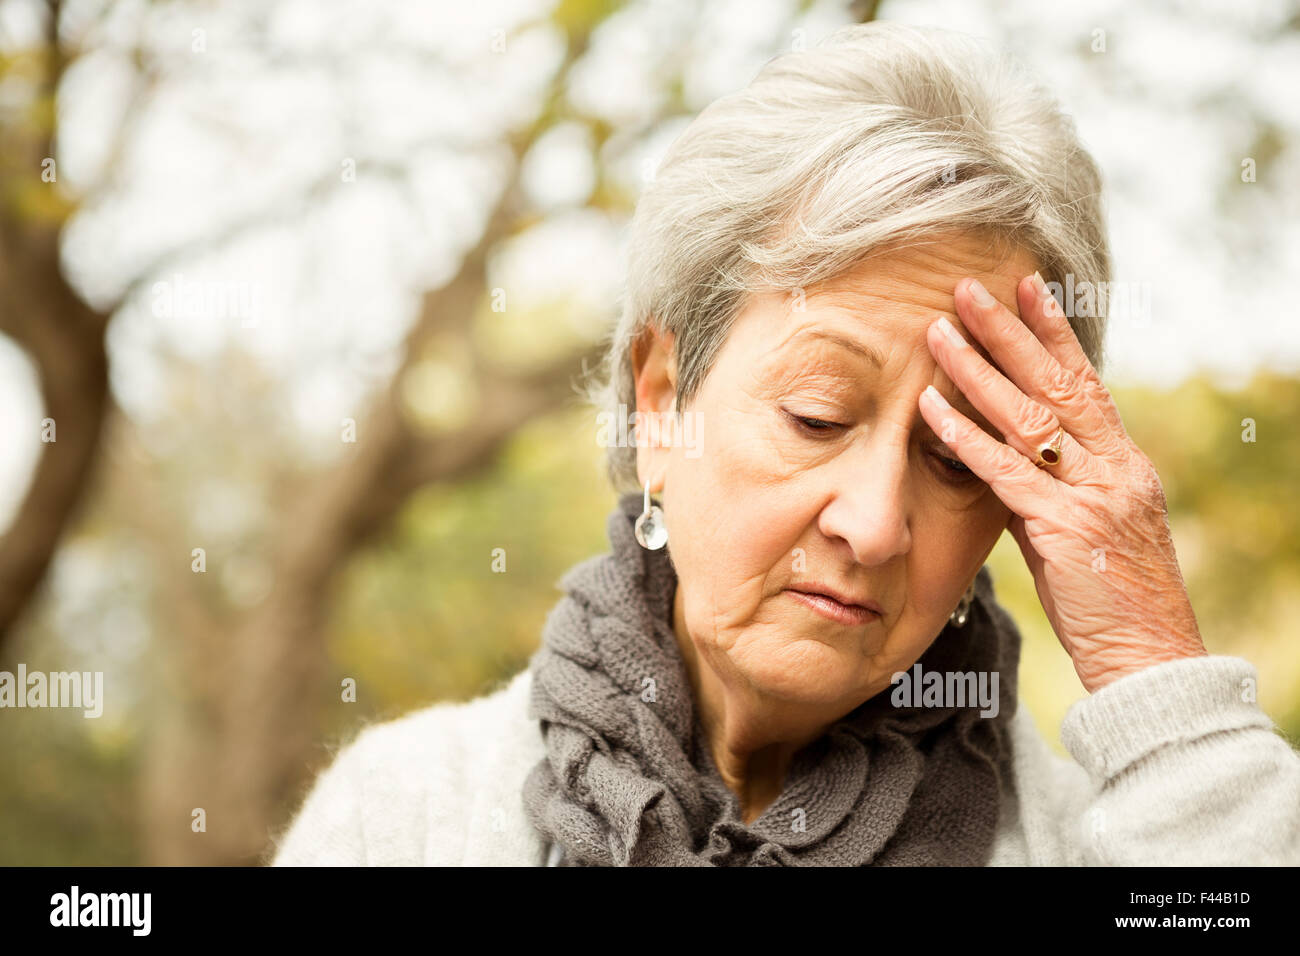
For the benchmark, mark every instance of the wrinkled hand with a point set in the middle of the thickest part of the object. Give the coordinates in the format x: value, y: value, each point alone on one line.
x: 1093, y: 527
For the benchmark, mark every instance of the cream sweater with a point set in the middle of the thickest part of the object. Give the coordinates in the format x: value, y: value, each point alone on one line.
x: 1171, y: 766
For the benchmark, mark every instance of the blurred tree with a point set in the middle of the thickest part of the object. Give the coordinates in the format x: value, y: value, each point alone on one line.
x: 232, y: 692
x: 247, y: 720
x: 236, y: 723
x: 40, y: 312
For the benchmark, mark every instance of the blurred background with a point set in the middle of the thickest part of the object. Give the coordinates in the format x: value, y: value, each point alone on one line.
x: 301, y: 290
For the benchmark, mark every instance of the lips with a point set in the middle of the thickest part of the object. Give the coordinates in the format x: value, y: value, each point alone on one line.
x: 840, y: 595
x: 835, y: 606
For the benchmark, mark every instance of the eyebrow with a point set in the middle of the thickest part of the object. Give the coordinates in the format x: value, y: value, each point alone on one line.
x: 864, y: 351
x: 961, y: 403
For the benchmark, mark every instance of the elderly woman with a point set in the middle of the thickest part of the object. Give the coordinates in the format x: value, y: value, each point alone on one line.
x: 848, y: 276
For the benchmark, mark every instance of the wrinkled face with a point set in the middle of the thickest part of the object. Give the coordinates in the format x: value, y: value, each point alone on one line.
x: 815, y: 469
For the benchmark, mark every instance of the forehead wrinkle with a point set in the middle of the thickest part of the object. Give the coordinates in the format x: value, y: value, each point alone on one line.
x: 839, y: 342
x: 860, y: 350
x: 932, y: 267
x: 824, y: 372
x: 815, y: 362
x: 862, y: 296
x: 851, y: 305
x: 818, y: 344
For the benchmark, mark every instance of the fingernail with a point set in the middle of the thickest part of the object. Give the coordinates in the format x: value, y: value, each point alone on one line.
x: 935, y: 397
x: 951, y: 334
x: 1039, y: 285
x: 980, y: 294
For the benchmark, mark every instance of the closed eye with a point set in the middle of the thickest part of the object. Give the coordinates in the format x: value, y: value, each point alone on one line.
x: 814, y: 425
x: 952, y: 464
x: 818, y: 424
x: 955, y: 470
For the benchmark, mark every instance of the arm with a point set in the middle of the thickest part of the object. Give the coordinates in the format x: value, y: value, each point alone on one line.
x: 327, y: 830
x: 409, y: 791
x: 1185, y: 769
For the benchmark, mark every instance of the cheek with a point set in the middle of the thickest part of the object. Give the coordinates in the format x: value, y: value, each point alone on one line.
x: 734, y: 517
x: 948, y: 547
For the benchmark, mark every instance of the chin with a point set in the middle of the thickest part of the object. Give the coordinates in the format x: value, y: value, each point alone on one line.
x: 804, y: 671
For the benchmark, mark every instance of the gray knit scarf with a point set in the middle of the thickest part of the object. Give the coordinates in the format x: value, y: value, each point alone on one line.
x: 628, y: 779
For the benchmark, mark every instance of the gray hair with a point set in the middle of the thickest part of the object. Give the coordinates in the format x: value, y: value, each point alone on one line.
x: 880, y: 136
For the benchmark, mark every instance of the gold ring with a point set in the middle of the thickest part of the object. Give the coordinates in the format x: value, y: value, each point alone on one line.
x: 1050, y: 453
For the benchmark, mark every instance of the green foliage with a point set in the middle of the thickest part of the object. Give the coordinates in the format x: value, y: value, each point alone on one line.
x: 67, y: 796
x: 423, y: 616
x: 580, y: 17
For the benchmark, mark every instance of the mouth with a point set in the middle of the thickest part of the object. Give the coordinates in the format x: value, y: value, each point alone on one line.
x: 852, y: 615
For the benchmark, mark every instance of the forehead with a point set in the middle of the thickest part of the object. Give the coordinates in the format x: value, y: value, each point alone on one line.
x: 908, y: 288
x: 920, y: 280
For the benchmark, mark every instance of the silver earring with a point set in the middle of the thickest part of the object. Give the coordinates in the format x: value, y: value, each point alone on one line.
x: 650, y: 530
x: 958, y: 617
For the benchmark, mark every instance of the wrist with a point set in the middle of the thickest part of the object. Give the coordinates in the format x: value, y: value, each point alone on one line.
x: 1097, y: 674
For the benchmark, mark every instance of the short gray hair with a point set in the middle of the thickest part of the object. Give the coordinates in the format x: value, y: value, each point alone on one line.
x: 879, y: 136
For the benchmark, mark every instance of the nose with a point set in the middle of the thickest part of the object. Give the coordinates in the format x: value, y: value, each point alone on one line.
x: 867, y: 505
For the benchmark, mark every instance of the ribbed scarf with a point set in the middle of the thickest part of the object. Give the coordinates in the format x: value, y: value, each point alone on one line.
x: 628, y: 779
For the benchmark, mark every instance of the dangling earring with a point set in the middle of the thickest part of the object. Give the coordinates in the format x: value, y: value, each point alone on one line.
x: 650, y: 530
x: 958, y: 617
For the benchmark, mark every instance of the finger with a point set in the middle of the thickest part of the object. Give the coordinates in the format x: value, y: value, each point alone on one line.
x: 1030, y: 366
x: 1033, y: 560
x: 1024, y: 424
x: 1021, y: 486
x: 1016, y: 526
x: 1043, y: 315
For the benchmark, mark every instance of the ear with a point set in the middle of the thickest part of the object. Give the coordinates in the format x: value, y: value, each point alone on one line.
x: 654, y: 367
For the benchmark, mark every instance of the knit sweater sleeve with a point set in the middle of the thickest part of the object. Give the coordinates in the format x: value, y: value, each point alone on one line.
x: 384, y: 794
x: 327, y: 829
x: 436, y: 787
x: 1185, y: 769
